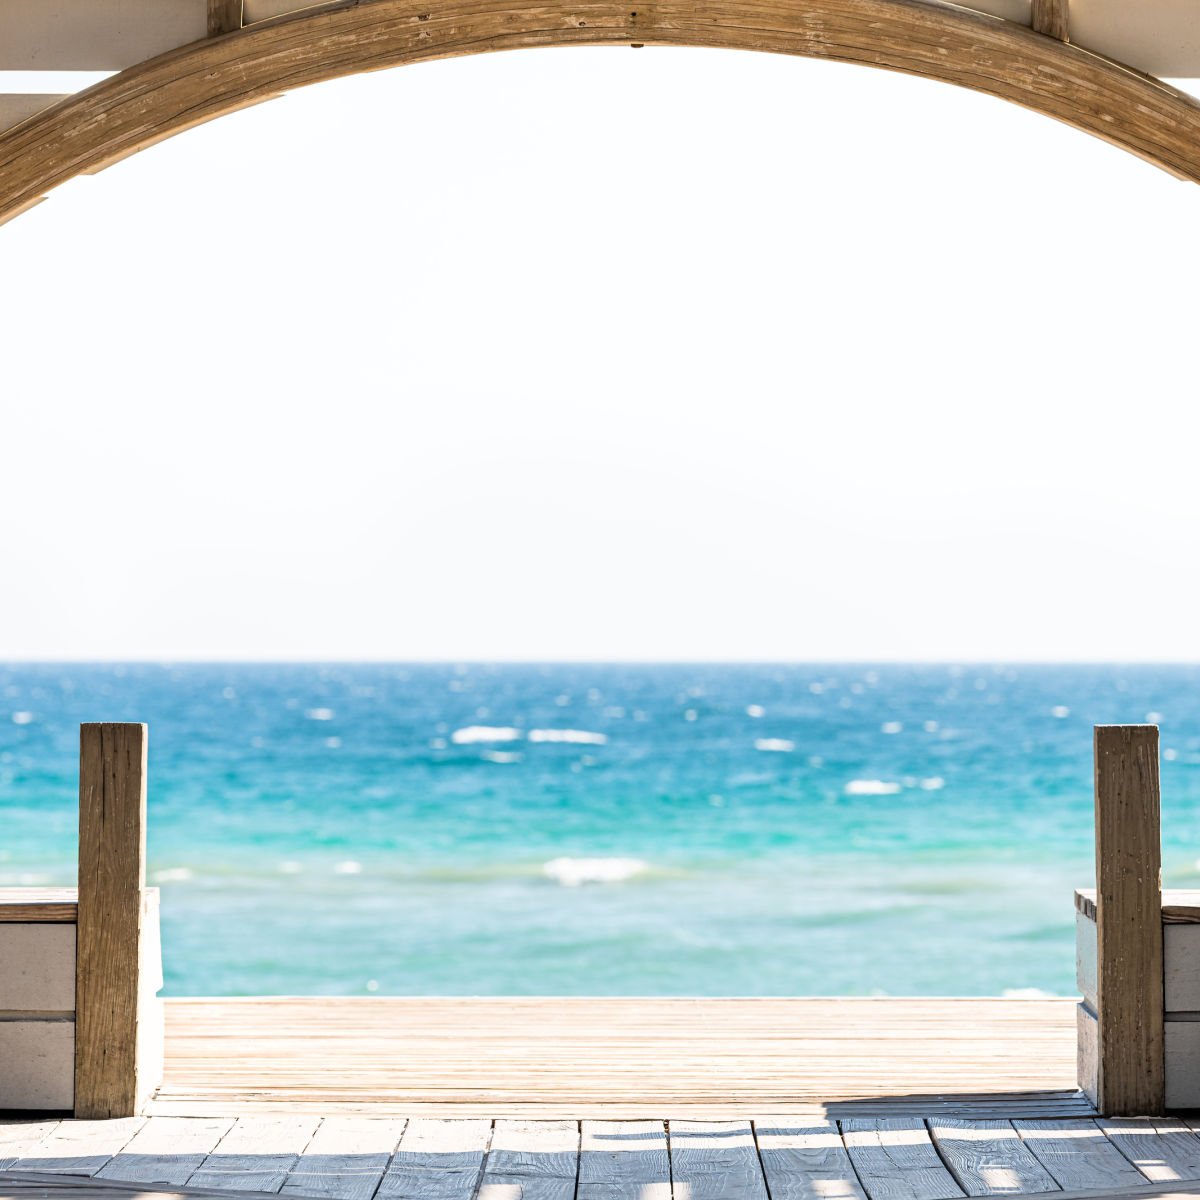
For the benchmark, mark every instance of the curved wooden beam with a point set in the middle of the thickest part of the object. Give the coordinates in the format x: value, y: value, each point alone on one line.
x: 196, y: 83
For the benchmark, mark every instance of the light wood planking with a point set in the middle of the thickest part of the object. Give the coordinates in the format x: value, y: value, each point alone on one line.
x: 575, y: 1058
x: 531, y: 1160
x: 1130, y: 1076
x: 112, y: 874
x: 25, y: 905
x: 167, y: 1150
x: 715, y: 1160
x: 624, y: 1160
x: 1051, y: 17
x: 80, y: 1147
x: 895, y: 1159
x: 215, y: 76
x: 988, y: 1158
x: 1163, y: 1149
x: 805, y: 1161
x: 1077, y: 1154
x: 437, y: 1160
x: 346, y: 1158
x: 257, y: 1154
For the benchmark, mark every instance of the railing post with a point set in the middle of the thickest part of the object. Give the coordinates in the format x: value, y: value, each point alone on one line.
x: 1129, y: 982
x: 112, y: 877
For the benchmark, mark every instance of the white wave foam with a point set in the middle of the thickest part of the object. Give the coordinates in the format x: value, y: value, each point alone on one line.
x: 755, y: 710
x: 349, y: 867
x: 173, y: 875
x: 471, y: 734
x: 319, y: 714
x: 579, y: 737
x: 774, y: 745
x: 22, y: 718
x: 892, y: 727
x: 871, y: 787
x: 1060, y: 711
x: 502, y: 756
x: 934, y: 783
x: 571, y: 872
x: 1027, y: 993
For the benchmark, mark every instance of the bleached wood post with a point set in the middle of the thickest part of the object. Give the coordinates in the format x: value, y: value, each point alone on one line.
x: 112, y: 877
x: 1129, y: 984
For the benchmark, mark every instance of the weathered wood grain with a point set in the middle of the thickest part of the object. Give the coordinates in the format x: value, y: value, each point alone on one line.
x: 715, y: 1160
x: 80, y: 1147
x: 624, y: 1160
x: 533, y: 1160
x: 185, y: 87
x: 1051, y: 17
x: 1163, y: 1149
x: 112, y: 874
x: 1077, y: 1154
x: 437, y: 1160
x: 36, y: 905
x: 166, y: 1150
x: 1129, y: 936
x: 256, y: 1155
x: 895, y: 1159
x: 805, y: 1160
x: 224, y: 16
x: 346, y: 1158
x: 988, y: 1158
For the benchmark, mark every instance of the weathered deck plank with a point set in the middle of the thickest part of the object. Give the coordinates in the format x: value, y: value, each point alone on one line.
x: 257, y: 1154
x: 437, y: 1160
x: 1163, y: 1149
x: 533, y: 1160
x: 1077, y: 1154
x: 988, y: 1158
x: 715, y: 1160
x: 624, y: 1160
x: 895, y: 1159
x: 81, y: 1147
x: 806, y: 1161
x: 167, y: 1150
x: 346, y: 1158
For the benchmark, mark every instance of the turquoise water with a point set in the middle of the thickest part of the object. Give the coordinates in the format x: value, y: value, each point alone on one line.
x: 584, y: 829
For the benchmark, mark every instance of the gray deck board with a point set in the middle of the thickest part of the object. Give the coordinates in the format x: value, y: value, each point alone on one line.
x: 806, y: 1161
x: 437, y: 1160
x: 624, y: 1160
x: 715, y: 1160
x: 166, y: 1150
x: 346, y: 1158
x: 1077, y: 1154
x: 895, y: 1159
x: 257, y: 1154
x: 1163, y: 1149
x: 988, y: 1158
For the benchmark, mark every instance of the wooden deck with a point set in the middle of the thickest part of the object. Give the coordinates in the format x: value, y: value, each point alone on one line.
x: 620, y: 1058
x: 380, y: 1158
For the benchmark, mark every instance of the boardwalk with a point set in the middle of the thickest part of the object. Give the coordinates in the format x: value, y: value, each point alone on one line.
x: 359, y: 1157
x: 572, y: 1059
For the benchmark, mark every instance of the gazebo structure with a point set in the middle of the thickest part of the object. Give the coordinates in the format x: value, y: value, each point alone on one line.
x: 177, y: 63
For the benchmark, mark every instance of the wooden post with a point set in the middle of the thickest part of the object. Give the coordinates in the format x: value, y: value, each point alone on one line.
x: 224, y: 16
x: 112, y: 876
x: 1129, y: 984
x: 1051, y: 17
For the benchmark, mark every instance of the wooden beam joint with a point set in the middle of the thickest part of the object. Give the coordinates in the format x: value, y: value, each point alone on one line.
x: 1052, y: 17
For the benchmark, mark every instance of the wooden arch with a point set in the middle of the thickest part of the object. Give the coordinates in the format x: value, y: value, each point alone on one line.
x: 207, y: 79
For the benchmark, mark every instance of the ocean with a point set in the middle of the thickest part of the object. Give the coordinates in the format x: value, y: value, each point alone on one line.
x: 604, y: 829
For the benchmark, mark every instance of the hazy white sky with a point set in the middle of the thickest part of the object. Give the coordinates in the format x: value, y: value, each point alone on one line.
x: 606, y: 354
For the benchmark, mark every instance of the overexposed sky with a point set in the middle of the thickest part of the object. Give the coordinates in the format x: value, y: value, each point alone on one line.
x: 601, y: 353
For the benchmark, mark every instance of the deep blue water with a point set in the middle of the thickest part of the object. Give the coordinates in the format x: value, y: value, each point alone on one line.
x: 704, y: 830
